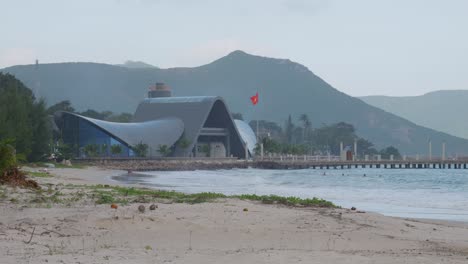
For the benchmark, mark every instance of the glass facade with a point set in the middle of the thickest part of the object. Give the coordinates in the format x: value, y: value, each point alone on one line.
x: 89, y: 140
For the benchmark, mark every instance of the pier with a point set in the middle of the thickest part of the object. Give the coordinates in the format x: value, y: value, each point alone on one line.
x: 183, y: 164
x: 376, y: 164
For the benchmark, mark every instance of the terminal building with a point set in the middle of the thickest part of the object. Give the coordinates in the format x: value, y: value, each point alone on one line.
x: 196, y: 126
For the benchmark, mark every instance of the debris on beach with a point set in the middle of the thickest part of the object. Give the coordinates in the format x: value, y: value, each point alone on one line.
x: 141, y: 208
x: 46, y: 171
x: 114, y: 206
x: 353, y: 208
x: 245, y: 210
x: 153, y: 207
x: 17, y: 178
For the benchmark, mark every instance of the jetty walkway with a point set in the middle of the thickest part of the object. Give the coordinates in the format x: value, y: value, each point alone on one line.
x: 179, y: 164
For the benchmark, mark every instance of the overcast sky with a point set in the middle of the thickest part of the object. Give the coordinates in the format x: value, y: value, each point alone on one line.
x: 361, y: 47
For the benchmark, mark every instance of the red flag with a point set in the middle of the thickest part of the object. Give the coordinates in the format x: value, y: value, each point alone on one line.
x: 254, y: 99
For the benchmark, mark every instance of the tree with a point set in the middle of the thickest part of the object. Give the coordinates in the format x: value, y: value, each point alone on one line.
x: 141, y: 149
x: 164, y: 150
x: 268, y: 128
x: 7, y: 155
x: 269, y: 146
x: 23, y: 119
x: 386, y: 152
x: 108, y: 116
x: 206, y: 148
x: 104, y: 151
x: 61, y: 106
x: 184, y: 143
x: 306, y: 124
x: 328, y: 137
x: 121, y: 118
x: 93, y: 114
x: 65, y: 151
x: 41, y: 129
x: 237, y: 116
x: 91, y: 150
x: 289, y: 130
x: 116, y: 149
x: 365, y: 147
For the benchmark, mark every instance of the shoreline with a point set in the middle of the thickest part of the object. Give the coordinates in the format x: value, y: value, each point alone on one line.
x: 220, y: 230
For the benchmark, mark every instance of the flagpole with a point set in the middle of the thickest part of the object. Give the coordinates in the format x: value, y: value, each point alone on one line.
x: 258, y: 101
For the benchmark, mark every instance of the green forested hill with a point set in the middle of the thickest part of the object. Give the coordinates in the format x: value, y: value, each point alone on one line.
x: 441, y: 110
x: 285, y: 88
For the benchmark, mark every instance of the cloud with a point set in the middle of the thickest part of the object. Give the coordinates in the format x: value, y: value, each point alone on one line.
x: 17, y: 56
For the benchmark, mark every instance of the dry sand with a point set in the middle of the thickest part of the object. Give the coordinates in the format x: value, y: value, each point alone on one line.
x: 217, y: 232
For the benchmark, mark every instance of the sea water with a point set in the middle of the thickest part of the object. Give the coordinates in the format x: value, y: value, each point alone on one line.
x: 416, y: 193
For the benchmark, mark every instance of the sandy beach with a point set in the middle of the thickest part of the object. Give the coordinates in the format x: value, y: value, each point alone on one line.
x: 64, y: 224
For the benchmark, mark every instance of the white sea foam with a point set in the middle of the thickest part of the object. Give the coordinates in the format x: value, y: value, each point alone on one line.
x: 422, y: 193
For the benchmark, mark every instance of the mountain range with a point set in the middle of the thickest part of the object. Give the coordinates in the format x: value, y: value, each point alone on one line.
x: 439, y: 110
x: 284, y: 88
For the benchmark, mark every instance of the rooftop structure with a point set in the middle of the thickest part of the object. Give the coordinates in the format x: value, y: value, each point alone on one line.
x: 198, y: 126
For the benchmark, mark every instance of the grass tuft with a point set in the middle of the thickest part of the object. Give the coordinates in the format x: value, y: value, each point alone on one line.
x: 106, y: 193
x: 289, y: 201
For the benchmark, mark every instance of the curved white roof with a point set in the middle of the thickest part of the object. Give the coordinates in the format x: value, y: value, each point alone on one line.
x: 163, y: 131
x: 247, y: 134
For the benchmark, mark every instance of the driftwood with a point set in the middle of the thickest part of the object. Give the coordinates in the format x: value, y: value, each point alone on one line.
x: 32, y: 234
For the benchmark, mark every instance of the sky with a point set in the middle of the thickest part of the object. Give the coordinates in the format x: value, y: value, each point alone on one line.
x: 361, y: 47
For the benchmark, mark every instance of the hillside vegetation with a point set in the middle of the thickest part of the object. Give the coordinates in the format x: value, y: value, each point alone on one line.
x: 284, y: 87
x: 440, y: 110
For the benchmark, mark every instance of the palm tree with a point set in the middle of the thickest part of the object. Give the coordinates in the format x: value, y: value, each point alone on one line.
x: 306, y: 124
x: 116, y: 149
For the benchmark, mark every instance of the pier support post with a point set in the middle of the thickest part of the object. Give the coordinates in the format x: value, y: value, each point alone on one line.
x: 430, y: 150
x: 443, y: 151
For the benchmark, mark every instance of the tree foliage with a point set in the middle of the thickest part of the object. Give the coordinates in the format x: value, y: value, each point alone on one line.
x: 184, y: 143
x: 65, y: 151
x: 164, y: 150
x: 237, y: 116
x: 116, y: 149
x: 61, y: 106
x: 304, y: 139
x: 23, y: 119
x: 141, y: 149
x: 108, y: 116
x: 386, y: 152
x: 7, y: 155
x: 92, y: 150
